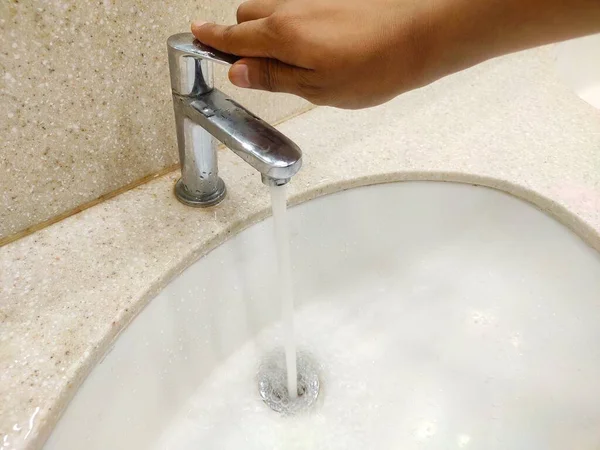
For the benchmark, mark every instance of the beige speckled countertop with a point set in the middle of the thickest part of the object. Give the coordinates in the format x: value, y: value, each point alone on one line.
x: 68, y: 290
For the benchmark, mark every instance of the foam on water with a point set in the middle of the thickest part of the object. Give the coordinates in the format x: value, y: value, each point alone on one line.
x: 272, y: 383
x: 429, y: 374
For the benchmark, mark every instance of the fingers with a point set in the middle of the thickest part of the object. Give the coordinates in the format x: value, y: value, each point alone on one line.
x: 255, y: 9
x: 245, y: 39
x: 272, y: 75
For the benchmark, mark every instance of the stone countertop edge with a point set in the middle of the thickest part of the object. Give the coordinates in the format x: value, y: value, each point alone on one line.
x: 67, y: 291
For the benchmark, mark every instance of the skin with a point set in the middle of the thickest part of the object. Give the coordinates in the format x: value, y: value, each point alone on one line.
x: 356, y: 54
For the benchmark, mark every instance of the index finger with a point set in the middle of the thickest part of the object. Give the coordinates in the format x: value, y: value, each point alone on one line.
x: 246, y: 39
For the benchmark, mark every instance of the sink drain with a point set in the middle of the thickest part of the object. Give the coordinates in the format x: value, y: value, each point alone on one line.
x: 272, y: 383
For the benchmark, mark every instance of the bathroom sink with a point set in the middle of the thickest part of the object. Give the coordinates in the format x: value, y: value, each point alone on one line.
x: 441, y: 316
x: 579, y: 64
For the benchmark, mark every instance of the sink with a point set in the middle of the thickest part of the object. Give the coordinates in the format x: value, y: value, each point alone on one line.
x: 441, y: 315
x: 578, y: 62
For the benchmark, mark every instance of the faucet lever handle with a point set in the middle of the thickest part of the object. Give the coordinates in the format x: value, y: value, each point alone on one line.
x: 187, y: 45
x: 211, y: 54
x: 190, y: 64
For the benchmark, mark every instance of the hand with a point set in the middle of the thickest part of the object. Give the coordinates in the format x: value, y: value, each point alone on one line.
x: 345, y: 53
x: 359, y: 53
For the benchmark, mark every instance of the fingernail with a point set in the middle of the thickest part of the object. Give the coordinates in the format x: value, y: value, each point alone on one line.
x: 197, y: 24
x: 239, y: 76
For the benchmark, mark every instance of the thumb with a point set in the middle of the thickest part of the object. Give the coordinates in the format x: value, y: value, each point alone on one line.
x: 269, y: 75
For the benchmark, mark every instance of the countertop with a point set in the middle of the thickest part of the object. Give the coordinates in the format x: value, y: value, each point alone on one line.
x: 68, y: 290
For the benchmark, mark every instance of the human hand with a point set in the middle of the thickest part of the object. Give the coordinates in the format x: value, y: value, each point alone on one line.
x: 355, y: 54
x: 344, y: 53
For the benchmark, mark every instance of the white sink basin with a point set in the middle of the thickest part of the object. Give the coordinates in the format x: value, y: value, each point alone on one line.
x: 444, y: 316
x: 579, y: 64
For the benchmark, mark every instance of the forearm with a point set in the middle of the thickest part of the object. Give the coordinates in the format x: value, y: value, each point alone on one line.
x: 466, y: 32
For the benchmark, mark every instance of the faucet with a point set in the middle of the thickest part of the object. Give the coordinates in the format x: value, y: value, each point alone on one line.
x: 205, y: 115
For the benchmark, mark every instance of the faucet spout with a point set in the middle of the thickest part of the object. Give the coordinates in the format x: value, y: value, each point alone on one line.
x: 259, y: 144
x: 204, y: 114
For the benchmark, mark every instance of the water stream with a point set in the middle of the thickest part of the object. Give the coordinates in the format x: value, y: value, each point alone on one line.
x: 284, y: 280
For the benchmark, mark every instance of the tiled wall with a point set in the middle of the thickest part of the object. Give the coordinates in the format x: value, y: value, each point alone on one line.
x: 85, y: 96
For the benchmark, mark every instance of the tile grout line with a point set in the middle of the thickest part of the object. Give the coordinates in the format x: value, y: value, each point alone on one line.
x: 104, y: 197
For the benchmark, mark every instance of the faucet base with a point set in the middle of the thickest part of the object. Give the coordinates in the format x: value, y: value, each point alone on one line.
x: 204, y: 201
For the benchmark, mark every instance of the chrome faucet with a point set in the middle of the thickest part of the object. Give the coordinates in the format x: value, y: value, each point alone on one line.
x: 204, y: 115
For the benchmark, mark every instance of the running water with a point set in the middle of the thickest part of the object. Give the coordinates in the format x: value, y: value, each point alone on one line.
x: 282, y: 242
